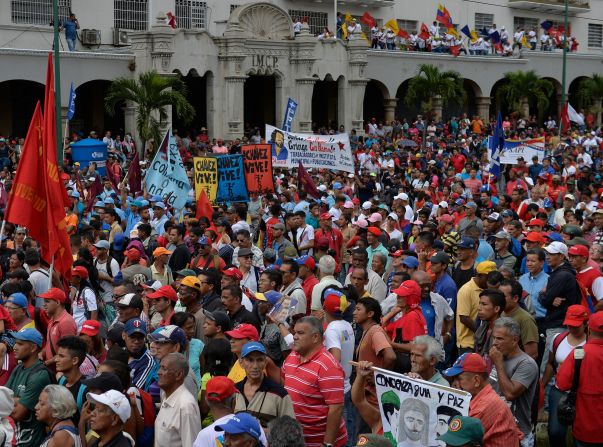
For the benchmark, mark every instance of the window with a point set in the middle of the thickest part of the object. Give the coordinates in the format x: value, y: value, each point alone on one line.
x: 527, y: 23
x: 595, y: 35
x: 316, y: 20
x: 408, y: 25
x: 483, y: 21
x: 131, y: 14
x: 37, y: 12
x: 191, y: 14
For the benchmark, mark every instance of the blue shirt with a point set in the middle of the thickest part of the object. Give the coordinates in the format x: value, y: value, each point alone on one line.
x: 446, y: 287
x: 523, y: 269
x: 141, y: 369
x: 70, y: 29
x: 429, y: 314
x: 485, y: 252
x: 132, y: 220
x: 533, y: 286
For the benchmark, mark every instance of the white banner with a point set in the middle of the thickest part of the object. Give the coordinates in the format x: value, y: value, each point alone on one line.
x: 313, y: 151
x: 415, y: 412
x: 521, y: 148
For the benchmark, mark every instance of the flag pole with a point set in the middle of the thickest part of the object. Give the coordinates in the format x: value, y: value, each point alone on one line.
x: 50, y: 272
x: 564, y: 63
x: 57, y: 81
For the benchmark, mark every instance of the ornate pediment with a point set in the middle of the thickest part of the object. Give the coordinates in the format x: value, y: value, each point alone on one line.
x: 261, y: 21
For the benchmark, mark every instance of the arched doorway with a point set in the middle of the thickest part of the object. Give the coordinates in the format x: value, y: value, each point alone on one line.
x: 18, y: 100
x: 554, y: 107
x: 375, y: 95
x: 497, y: 103
x: 325, y: 104
x: 260, y: 101
x: 468, y: 106
x: 90, y: 113
x: 404, y: 110
x: 196, y: 93
x: 575, y: 100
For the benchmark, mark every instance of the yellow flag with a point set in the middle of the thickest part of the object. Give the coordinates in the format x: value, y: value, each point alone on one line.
x: 453, y: 32
x: 344, y: 30
x: 364, y: 36
x: 473, y: 35
x: 393, y: 25
x: 348, y: 17
x: 524, y: 41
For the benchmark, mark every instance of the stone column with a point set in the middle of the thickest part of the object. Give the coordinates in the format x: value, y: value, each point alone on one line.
x: 234, y: 88
x: 559, y: 105
x: 389, y: 109
x: 437, y: 106
x: 303, y: 115
x: 483, y: 107
x: 357, y: 84
x: 130, y: 122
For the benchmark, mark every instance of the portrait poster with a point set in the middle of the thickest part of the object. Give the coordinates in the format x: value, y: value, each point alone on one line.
x: 313, y: 151
x: 231, y: 179
x: 258, y: 168
x: 414, y: 412
x: 206, y: 177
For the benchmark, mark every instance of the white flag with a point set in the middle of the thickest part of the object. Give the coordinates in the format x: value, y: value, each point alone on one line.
x: 574, y: 116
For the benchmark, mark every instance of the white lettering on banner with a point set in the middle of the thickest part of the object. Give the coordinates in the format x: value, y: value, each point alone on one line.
x: 415, y: 412
x: 514, y: 149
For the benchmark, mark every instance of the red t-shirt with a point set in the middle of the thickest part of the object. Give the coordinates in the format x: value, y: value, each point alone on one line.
x: 9, y: 324
x: 412, y: 324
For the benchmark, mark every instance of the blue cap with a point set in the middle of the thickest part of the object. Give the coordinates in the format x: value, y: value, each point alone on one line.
x: 159, y: 205
x: 99, y: 204
x: 252, y: 346
x: 170, y: 333
x: 144, y: 203
x: 109, y: 200
x: 18, y: 299
x: 204, y: 240
x: 135, y: 326
x: 547, y: 203
x: 337, y: 185
x: 466, y: 242
x: 155, y: 198
x: 136, y: 203
x: 411, y: 262
x: 272, y: 296
x: 118, y: 241
x: 242, y: 423
x: 74, y: 194
x: 555, y: 237
x: 30, y: 334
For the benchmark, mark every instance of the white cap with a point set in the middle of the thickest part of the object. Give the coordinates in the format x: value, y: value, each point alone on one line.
x: 443, y: 204
x: 393, y: 216
x: 116, y: 401
x: 367, y: 205
x: 322, y: 188
x: 556, y: 247
x: 402, y: 196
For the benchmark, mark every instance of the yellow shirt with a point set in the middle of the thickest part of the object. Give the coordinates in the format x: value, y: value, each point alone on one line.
x: 237, y: 373
x: 467, y: 301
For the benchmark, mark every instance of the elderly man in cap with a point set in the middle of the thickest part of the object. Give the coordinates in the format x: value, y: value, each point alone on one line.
x: 589, y: 398
x: 160, y: 270
x: 258, y: 394
x: 502, y: 255
x: 140, y: 360
x: 470, y: 219
x: 27, y: 381
x: 159, y: 218
x: 279, y: 243
x: 109, y: 413
x: 17, y: 307
x: 467, y: 306
x: 242, y: 430
x: 562, y: 290
x: 470, y: 373
x: 438, y: 314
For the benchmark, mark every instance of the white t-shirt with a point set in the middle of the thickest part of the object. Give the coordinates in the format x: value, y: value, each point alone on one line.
x: 78, y: 308
x: 395, y: 234
x: 107, y: 292
x: 39, y: 281
x: 563, y: 350
x: 340, y: 335
x: 209, y: 437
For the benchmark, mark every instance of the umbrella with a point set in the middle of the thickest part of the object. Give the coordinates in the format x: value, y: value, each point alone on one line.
x: 407, y: 143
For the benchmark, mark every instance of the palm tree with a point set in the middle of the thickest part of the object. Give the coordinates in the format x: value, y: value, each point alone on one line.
x: 435, y: 88
x: 525, y: 88
x: 590, y: 93
x: 152, y: 93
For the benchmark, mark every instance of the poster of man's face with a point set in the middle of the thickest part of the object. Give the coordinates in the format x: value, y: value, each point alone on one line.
x: 444, y: 415
x: 413, y: 428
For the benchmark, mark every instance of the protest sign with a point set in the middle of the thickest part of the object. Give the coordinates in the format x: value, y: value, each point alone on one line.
x: 514, y: 149
x: 313, y: 151
x: 414, y: 412
x: 167, y: 177
x: 206, y: 177
x: 231, y: 179
x: 289, y: 115
x: 258, y: 168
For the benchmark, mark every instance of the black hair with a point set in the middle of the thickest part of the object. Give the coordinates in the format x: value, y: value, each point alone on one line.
x: 538, y: 252
x: 180, y: 318
x: 294, y: 266
x: 494, y: 277
x: 497, y: 298
x: 426, y: 237
x: 234, y: 291
x: 274, y: 276
x: 516, y: 287
x: 372, y: 305
x: 75, y: 346
x: 121, y: 370
x: 32, y: 256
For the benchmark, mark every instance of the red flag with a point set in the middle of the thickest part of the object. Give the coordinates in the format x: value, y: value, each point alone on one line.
x: 404, y: 34
x: 172, y: 20
x: 135, y: 175
x: 56, y: 194
x: 565, y: 124
x: 368, y: 20
x: 424, y: 32
x: 204, y: 208
x: 28, y: 203
x: 95, y: 189
x: 112, y: 177
x: 303, y: 178
x: 455, y: 49
x: 498, y: 47
x: 3, y: 196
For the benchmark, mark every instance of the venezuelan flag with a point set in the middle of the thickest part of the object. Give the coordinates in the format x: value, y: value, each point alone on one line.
x: 443, y: 16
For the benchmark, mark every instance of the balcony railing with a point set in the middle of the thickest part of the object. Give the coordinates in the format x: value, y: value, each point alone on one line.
x: 574, y: 6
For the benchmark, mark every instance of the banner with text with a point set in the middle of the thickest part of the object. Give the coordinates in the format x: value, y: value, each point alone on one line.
x: 414, y: 412
x: 521, y: 148
x: 289, y: 115
x: 313, y: 151
x: 258, y: 168
x: 231, y: 179
x: 206, y: 177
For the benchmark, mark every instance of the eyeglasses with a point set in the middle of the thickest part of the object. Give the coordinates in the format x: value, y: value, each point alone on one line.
x: 241, y: 240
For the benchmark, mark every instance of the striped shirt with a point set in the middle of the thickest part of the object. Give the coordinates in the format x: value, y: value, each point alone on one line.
x: 140, y: 369
x: 313, y: 385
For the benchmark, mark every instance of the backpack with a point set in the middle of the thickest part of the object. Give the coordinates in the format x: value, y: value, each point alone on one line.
x: 80, y: 394
x: 146, y: 407
x: 100, y: 308
x: 109, y: 259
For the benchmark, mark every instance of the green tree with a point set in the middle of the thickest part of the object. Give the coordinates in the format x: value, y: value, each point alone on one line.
x: 435, y: 88
x: 151, y: 93
x: 523, y: 89
x: 590, y: 93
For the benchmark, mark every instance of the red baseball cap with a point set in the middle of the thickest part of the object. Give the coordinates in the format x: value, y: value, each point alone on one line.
x: 90, y: 327
x: 536, y: 222
x: 54, y: 294
x: 397, y: 253
x: 595, y: 322
x: 325, y: 216
x: 446, y: 218
x: 411, y: 292
x: 219, y: 388
x: 234, y: 273
x: 575, y: 315
x: 164, y: 292
x: 80, y: 271
x: 578, y: 250
x: 335, y: 302
x: 374, y: 231
x: 132, y: 254
x: 244, y: 330
x: 356, y: 201
x: 535, y: 237
x: 469, y: 362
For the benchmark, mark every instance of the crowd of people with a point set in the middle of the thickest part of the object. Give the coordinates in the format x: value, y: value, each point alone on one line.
x: 259, y: 325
